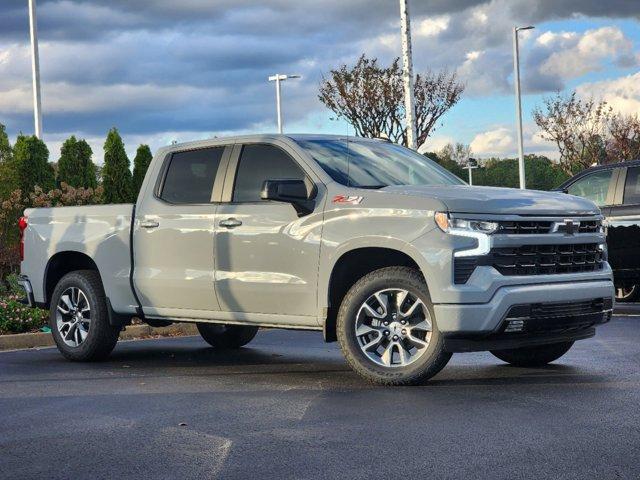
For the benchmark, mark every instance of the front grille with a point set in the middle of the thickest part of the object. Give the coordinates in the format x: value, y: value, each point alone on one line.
x: 589, y: 226
x: 547, y: 259
x: 556, y: 317
x: 534, y: 260
x: 538, y: 227
x: 518, y: 227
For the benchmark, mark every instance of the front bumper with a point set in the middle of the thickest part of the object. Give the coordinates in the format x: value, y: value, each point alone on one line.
x: 476, y: 327
x: 29, y: 299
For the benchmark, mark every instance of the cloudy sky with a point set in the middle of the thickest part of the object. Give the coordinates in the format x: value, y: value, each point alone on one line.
x: 163, y: 70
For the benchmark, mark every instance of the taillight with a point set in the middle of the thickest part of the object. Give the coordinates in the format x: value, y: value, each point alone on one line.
x: 22, y: 225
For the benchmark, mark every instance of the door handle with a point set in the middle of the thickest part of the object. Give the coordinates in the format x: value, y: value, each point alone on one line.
x: 149, y: 224
x: 230, y: 223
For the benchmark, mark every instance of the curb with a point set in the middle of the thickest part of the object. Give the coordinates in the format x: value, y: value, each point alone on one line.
x: 132, y: 332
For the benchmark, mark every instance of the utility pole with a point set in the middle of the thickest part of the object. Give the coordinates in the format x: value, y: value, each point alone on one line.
x: 407, y: 75
x: 35, y: 68
x: 516, y: 81
x: 280, y: 78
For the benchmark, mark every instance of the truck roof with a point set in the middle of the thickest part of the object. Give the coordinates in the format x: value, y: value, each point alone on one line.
x: 265, y: 137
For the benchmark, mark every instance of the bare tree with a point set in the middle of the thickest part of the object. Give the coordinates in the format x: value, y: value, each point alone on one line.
x: 371, y: 98
x: 624, y: 138
x: 578, y: 128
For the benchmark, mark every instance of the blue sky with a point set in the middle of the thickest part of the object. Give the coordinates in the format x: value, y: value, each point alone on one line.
x: 161, y: 70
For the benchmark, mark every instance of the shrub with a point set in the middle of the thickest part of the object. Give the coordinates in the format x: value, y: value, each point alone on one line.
x: 18, y: 318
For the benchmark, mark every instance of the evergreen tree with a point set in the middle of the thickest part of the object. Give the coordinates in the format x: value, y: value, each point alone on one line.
x: 31, y: 159
x: 140, y: 165
x: 8, y: 176
x: 75, y: 167
x: 116, y: 176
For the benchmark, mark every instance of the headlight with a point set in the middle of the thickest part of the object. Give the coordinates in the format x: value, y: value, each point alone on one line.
x: 448, y: 224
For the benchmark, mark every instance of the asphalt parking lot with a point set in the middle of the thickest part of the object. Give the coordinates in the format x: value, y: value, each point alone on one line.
x: 287, y: 406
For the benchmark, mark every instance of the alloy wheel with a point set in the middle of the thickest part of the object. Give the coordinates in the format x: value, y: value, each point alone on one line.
x: 73, y: 316
x: 393, y: 328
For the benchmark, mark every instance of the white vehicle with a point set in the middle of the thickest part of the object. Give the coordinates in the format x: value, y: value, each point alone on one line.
x: 369, y: 242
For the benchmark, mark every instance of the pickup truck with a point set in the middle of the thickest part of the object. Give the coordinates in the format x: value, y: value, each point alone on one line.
x: 371, y: 243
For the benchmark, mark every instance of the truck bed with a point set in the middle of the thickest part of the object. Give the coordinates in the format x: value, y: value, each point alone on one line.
x: 101, y: 232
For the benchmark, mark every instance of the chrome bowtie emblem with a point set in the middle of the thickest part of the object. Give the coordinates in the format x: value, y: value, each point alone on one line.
x: 567, y: 226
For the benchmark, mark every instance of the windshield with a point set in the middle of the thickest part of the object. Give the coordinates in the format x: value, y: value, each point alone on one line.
x: 368, y: 164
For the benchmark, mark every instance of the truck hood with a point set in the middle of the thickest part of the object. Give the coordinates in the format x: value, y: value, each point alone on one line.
x: 495, y: 200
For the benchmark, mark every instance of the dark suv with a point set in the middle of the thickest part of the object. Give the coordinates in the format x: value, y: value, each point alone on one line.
x: 615, y: 189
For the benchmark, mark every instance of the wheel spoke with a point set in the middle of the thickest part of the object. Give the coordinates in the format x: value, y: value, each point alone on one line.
x: 82, y: 333
x: 400, y: 298
x: 372, y: 343
x: 62, y: 310
x: 387, y: 355
x: 419, y: 343
x: 67, y: 301
x: 424, y: 325
x: 412, y: 308
x: 365, y: 330
x: 371, y: 311
x: 383, y: 300
x: 404, y: 354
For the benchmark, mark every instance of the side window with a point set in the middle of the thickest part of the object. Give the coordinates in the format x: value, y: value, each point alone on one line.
x: 594, y: 186
x: 632, y: 187
x: 259, y: 163
x: 190, y: 176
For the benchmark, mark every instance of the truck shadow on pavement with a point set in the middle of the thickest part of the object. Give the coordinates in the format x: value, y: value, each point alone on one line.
x: 326, y: 365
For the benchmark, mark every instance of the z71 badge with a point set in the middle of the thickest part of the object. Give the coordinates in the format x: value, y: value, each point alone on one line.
x: 350, y: 199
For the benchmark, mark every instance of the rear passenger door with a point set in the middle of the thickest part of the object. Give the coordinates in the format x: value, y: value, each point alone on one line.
x: 174, y: 235
x: 624, y: 227
x: 266, y: 254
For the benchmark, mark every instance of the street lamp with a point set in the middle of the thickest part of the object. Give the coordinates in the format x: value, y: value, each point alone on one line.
x: 35, y: 68
x: 280, y: 78
x: 516, y: 73
x: 471, y: 164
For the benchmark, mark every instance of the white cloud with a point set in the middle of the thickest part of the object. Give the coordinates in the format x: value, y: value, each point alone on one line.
x: 576, y: 55
x: 497, y: 142
x: 501, y: 142
x: 433, y: 26
x: 622, y: 94
x: 436, y: 143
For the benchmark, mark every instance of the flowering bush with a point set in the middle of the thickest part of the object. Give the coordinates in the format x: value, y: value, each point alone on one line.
x: 14, y: 316
x: 18, y: 318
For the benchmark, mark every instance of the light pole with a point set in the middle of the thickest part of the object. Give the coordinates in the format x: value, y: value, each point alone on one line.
x: 280, y: 78
x: 407, y: 75
x: 471, y: 164
x: 516, y: 74
x: 35, y: 68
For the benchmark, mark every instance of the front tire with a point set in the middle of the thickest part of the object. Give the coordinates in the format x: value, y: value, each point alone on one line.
x: 387, y: 328
x: 533, y: 356
x: 79, y: 318
x: 226, y: 337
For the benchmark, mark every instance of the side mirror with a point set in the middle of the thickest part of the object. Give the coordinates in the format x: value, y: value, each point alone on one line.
x: 299, y: 193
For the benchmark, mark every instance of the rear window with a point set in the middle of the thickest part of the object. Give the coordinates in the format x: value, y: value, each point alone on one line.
x: 190, y: 176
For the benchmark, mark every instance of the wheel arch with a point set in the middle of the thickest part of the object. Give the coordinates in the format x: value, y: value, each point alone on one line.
x: 351, y: 265
x: 62, y: 263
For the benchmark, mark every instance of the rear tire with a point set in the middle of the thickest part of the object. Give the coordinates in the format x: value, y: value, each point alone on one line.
x: 533, y: 356
x: 387, y: 328
x: 627, y: 294
x: 79, y: 318
x: 226, y: 337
